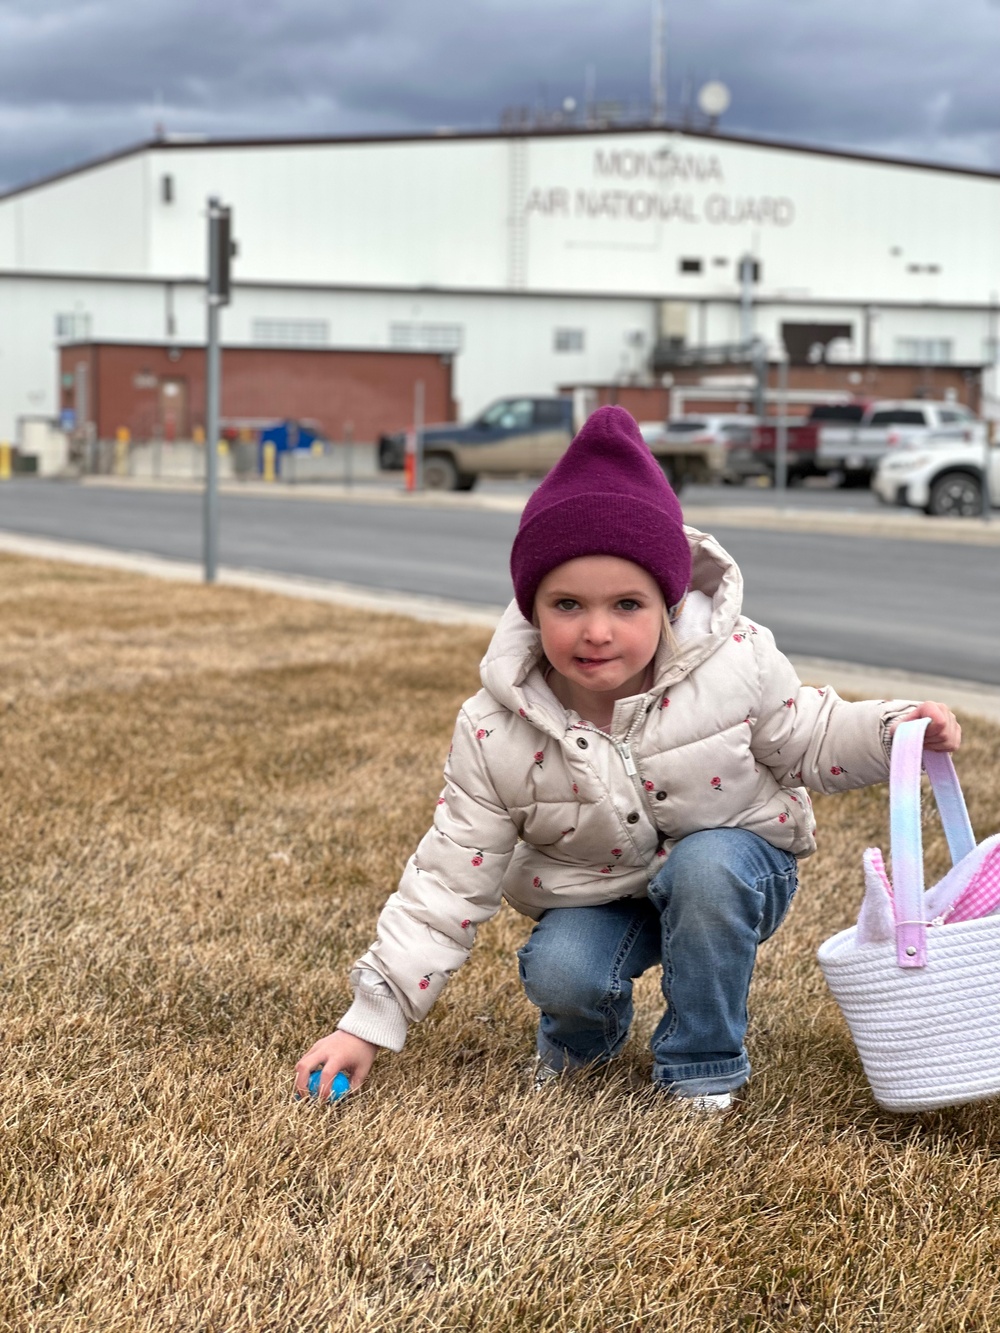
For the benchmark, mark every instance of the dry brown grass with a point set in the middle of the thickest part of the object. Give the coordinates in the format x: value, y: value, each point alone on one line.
x: 206, y: 796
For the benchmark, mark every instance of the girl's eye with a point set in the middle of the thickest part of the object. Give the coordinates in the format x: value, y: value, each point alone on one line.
x: 629, y: 604
x: 566, y: 604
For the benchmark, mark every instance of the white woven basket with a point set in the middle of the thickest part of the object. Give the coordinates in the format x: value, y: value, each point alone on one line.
x: 928, y: 1036
x: 924, y: 1007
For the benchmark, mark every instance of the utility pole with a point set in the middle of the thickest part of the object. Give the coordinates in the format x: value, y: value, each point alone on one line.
x: 220, y: 248
x: 747, y: 272
x: 987, y: 497
x: 658, y: 64
x: 781, y: 441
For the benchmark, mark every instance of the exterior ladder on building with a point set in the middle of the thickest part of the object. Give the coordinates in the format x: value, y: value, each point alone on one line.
x: 517, y: 238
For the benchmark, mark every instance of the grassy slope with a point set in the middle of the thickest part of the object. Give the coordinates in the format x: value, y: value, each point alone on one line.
x: 206, y: 795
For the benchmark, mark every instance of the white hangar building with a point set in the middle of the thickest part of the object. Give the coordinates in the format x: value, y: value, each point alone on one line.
x: 540, y: 258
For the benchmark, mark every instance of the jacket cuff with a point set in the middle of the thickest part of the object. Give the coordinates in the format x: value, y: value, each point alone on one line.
x: 898, y: 710
x: 376, y: 1017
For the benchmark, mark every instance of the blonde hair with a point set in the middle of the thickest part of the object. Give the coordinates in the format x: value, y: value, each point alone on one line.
x: 667, y: 633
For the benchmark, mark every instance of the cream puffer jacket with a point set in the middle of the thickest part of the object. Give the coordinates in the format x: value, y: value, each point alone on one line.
x: 543, y: 810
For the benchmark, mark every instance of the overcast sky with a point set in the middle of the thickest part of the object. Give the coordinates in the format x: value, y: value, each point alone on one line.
x: 80, y: 78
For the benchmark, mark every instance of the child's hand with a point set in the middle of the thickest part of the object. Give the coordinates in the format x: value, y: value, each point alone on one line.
x: 331, y: 1054
x: 944, y: 733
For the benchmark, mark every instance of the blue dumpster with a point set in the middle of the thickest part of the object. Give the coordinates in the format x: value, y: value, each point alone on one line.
x: 286, y: 436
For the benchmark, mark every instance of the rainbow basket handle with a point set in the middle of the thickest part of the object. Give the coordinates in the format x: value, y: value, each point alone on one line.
x: 908, y: 757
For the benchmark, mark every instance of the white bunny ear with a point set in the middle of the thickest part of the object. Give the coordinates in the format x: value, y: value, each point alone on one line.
x: 876, y: 921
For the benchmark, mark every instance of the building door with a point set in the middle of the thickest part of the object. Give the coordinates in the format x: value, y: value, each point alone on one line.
x: 173, y: 409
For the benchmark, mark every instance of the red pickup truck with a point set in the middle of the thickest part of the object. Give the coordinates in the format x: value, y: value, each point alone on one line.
x: 848, y: 440
x: 757, y: 458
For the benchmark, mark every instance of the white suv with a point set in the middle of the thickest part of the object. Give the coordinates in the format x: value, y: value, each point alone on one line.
x: 938, y: 476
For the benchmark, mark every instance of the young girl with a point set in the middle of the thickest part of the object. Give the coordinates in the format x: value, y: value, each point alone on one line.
x: 632, y: 777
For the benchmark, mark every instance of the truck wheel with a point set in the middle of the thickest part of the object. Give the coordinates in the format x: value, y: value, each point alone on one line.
x: 956, y: 494
x: 466, y: 481
x: 440, y: 473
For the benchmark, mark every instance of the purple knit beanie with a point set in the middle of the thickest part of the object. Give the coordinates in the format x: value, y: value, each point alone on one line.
x: 607, y: 495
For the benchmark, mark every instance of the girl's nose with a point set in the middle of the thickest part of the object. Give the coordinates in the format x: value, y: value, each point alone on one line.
x: 598, y: 630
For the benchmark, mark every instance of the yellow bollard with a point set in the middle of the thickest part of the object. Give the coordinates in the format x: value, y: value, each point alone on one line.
x: 5, y: 461
x: 269, y: 455
x: 222, y: 449
x: 317, y: 448
x: 123, y: 437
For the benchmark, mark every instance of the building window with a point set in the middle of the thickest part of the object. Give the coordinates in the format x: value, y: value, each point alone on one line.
x: 167, y: 189
x: 421, y: 337
x: 73, y: 327
x: 809, y: 344
x: 690, y: 265
x: 290, y: 332
x: 924, y: 351
x: 568, y: 340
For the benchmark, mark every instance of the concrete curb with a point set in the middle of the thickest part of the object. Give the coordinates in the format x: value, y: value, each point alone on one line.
x: 846, y: 678
x: 433, y: 609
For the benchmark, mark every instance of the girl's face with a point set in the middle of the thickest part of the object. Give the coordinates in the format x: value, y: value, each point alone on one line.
x: 600, y: 619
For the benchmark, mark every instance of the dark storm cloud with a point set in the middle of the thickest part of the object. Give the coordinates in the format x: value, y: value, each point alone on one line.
x: 910, y: 77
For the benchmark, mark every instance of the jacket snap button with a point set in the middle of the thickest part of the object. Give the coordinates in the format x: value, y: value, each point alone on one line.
x: 661, y: 795
x: 632, y: 817
x: 581, y: 742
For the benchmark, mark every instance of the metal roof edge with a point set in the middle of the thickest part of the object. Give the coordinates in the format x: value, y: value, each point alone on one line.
x: 91, y: 164
x: 184, y: 143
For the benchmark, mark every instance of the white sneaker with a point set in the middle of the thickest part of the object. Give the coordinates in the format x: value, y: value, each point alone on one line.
x: 542, y: 1074
x: 704, y: 1105
x: 713, y: 1103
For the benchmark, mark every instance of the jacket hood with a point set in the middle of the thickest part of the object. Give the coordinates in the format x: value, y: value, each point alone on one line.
x: 511, y: 670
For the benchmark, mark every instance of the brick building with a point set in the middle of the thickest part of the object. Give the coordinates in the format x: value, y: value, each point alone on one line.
x: 157, y: 392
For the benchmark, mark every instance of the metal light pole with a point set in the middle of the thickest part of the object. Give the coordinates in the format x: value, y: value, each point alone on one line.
x: 747, y: 272
x: 219, y: 253
x: 987, y: 463
x: 987, y: 498
x: 781, y: 443
x: 418, y: 431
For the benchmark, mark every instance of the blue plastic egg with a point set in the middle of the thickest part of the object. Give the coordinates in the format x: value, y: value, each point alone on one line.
x: 341, y: 1085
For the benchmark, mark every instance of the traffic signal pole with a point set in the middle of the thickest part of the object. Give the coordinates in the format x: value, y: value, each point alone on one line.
x: 219, y: 253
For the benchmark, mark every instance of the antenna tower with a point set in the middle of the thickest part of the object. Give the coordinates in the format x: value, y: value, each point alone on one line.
x: 658, y: 63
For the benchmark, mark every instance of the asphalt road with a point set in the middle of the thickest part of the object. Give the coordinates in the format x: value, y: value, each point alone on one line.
x: 932, y: 607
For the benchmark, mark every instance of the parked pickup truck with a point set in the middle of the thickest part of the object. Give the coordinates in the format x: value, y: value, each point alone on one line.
x: 849, y: 439
x: 517, y: 437
x: 756, y: 456
x: 698, y: 448
x: 938, y: 476
x: 853, y: 450
x: 513, y: 437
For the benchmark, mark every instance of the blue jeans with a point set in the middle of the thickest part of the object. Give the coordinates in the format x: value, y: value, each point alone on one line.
x: 719, y: 894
